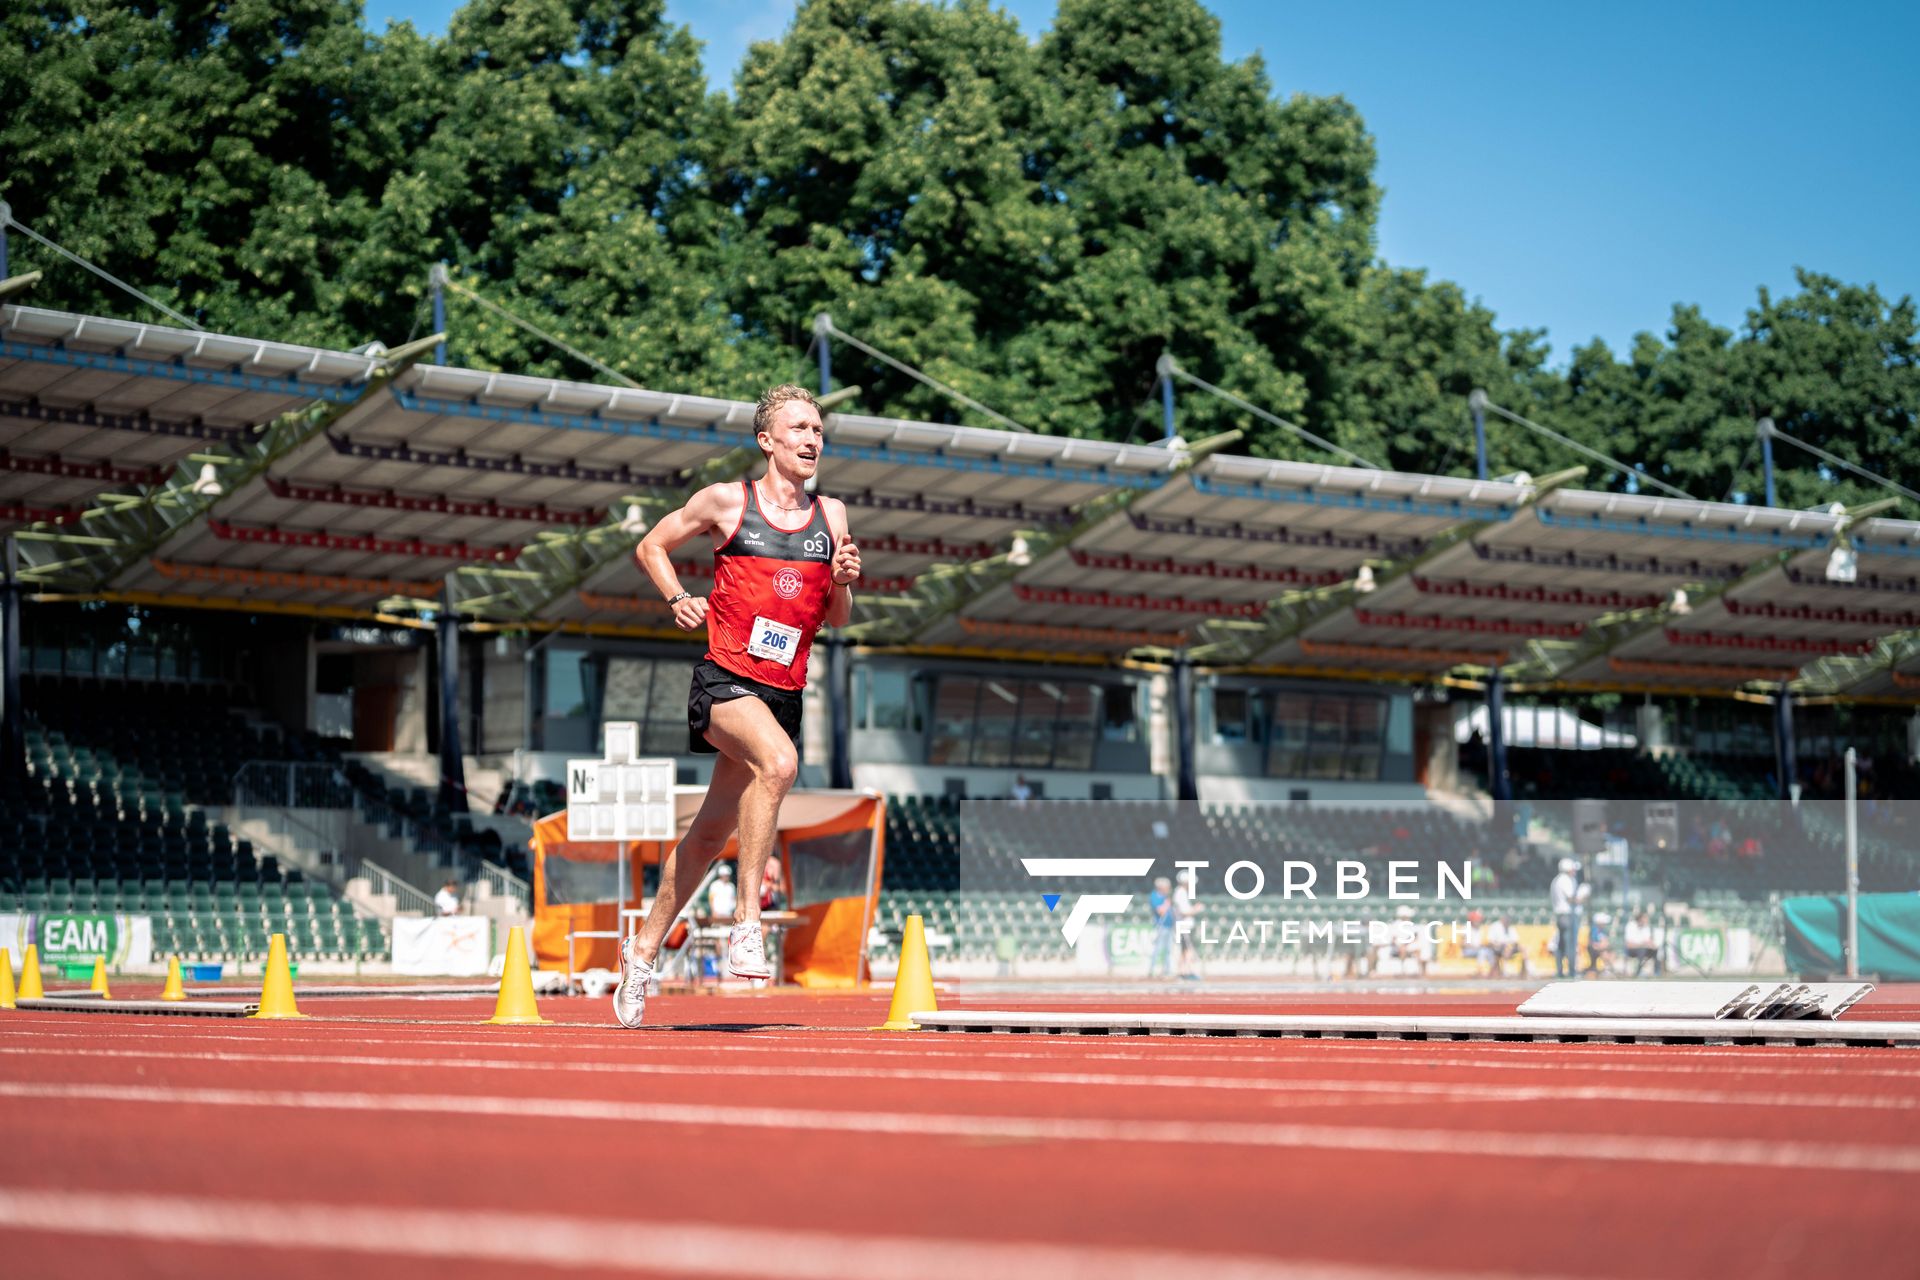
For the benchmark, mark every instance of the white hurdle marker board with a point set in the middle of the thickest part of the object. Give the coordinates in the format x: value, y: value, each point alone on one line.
x: 1717, y: 1000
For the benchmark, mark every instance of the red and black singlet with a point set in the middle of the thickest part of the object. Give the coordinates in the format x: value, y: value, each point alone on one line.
x: 770, y: 591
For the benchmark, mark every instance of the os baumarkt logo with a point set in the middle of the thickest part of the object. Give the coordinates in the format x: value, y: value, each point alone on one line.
x: 1087, y: 905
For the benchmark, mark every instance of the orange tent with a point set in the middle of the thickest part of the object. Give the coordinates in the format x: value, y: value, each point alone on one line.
x: 831, y: 842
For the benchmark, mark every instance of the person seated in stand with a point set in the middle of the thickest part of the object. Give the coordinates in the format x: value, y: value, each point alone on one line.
x: 1502, y: 944
x: 1408, y: 944
x: 721, y: 896
x: 447, y: 901
x: 773, y: 886
x: 1640, y: 944
x: 1599, y: 943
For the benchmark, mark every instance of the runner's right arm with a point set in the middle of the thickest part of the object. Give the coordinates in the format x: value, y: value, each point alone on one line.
x: 714, y: 507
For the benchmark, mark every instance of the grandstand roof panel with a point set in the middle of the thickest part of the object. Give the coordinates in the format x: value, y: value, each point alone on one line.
x: 89, y: 405
x: 1347, y: 658
x: 1080, y: 570
x: 1899, y: 681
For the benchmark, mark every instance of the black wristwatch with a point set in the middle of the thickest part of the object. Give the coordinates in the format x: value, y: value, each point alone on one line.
x: 684, y: 595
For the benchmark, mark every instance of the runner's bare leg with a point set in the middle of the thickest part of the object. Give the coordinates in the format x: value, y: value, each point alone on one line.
x: 706, y: 837
x: 745, y: 730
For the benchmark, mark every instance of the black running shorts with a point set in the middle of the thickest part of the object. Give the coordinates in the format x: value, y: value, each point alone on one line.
x: 714, y: 683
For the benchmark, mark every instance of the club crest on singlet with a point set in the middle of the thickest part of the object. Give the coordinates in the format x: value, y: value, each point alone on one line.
x: 787, y: 583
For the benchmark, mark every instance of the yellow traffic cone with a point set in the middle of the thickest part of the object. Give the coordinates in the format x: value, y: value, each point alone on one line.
x: 30, y: 988
x: 6, y: 979
x: 516, y: 1006
x: 99, y: 983
x: 276, y: 991
x: 173, y: 990
x: 913, y: 985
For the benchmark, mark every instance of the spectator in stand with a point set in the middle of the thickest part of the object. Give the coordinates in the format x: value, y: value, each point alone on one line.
x: 1599, y: 943
x: 1640, y: 945
x: 1021, y: 792
x: 722, y: 898
x: 1185, y: 908
x: 1160, y: 903
x: 447, y: 901
x: 1502, y: 942
x: 773, y: 885
x: 1350, y: 943
x: 1563, y: 897
x: 1408, y: 944
x: 1474, y: 944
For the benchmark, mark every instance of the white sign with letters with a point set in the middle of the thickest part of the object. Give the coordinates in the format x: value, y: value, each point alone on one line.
x: 623, y: 800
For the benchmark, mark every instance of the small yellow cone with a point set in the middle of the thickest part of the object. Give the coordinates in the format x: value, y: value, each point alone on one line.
x: 30, y: 988
x: 99, y: 983
x: 913, y: 985
x: 276, y: 991
x: 516, y: 1006
x: 173, y: 990
x: 6, y: 979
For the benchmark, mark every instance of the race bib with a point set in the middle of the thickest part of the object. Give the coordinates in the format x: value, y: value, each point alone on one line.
x: 774, y: 641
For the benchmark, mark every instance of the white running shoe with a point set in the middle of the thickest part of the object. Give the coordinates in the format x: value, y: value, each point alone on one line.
x: 630, y: 997
x: 747, y: 952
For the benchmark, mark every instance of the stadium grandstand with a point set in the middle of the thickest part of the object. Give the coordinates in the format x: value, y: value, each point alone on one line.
x: 293, y: 635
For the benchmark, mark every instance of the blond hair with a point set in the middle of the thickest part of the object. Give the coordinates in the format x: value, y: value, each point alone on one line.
x: 772, y: 398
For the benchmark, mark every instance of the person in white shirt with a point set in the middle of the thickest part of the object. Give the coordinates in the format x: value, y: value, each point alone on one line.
x: 1640, y: 946
x: 1564, y: 895
x: 447, y: 901
x: 1502, y: 942
x: 1185, y: 908
x: 721, y: 896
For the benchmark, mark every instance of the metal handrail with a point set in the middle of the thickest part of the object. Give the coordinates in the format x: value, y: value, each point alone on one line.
x: 506, y: 884
x: 385, y: 883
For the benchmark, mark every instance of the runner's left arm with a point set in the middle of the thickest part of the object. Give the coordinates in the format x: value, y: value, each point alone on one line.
x: 846, y: 565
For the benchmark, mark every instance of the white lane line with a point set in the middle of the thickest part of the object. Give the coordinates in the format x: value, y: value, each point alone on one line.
x: 1797, y: 1065
x: 616, y: 1244
x: 1565, y: 1147
x: 1370, y: 1090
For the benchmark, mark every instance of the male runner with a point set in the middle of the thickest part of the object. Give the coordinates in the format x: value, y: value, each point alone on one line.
x: 783, y: 563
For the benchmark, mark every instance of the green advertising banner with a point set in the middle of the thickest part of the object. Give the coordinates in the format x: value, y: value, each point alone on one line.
x: 72, y: 938
x: 79, y: 937
x: 1889, y: 935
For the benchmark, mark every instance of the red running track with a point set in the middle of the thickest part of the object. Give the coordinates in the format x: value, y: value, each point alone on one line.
x: 773, y: 1134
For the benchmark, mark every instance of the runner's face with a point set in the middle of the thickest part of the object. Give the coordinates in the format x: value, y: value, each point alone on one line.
x: 795, y: 439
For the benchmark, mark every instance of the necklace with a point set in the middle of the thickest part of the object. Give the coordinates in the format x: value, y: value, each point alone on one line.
x: 771, y: 503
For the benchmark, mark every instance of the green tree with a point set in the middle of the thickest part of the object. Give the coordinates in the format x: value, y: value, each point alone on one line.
x: 1035, y: 224
x: 1418, y: 351
x: 219, y: 155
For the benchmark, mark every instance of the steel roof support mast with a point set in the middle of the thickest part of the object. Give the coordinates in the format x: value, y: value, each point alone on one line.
x: 13, y: 722
x: 453, y: 773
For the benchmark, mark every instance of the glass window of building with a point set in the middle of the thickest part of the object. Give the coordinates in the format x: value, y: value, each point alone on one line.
x: 997, y: 716
x: 953, y: 708
x: 1119, y: 713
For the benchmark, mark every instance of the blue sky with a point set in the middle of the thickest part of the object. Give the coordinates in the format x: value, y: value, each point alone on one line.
x: 1577, y: 168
